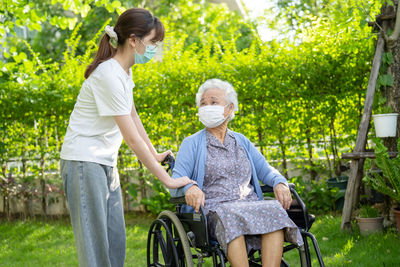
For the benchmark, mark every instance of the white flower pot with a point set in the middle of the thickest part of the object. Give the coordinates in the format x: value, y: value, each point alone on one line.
x: 385, y: 124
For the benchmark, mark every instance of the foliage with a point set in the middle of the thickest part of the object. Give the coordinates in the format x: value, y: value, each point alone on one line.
x: 300, y: 14
x: 299, y: 101
x: 389, y: 182
x: 159, y: 200
x: 384, y: 80
x: 46, y: 24
x: 367, y: 211
x: 60, y: 13
x: 158, y: 197
x: 317, y: 196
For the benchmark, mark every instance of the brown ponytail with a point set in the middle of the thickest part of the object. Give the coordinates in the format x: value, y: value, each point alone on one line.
x: 105, y: 52
x: 137, y: 21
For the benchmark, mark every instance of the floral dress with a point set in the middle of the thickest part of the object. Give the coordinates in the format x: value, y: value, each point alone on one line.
x: 231, y: 204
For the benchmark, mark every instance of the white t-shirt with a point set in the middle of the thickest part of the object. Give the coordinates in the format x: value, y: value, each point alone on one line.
x: 92, y: 134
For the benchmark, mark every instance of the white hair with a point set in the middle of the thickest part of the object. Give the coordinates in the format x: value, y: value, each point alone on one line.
x: 230, y: 93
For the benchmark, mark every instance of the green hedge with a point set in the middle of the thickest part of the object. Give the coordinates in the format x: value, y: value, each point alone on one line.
x: 299, y: 100
x: 292, y: 97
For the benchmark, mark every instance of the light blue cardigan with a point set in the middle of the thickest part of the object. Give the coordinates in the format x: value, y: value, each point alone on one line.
x: 191, y: 162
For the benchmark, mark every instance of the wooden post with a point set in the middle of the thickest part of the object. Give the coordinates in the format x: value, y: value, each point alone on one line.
x: 356, y: 166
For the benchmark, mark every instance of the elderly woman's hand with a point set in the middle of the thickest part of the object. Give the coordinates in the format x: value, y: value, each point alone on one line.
x: 282, y: 194
x: 194, y: 197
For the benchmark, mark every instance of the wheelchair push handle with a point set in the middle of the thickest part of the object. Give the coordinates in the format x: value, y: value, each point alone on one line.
x: 169, y: 161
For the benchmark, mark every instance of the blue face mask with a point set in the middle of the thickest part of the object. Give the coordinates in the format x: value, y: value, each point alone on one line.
x: 147, y: 56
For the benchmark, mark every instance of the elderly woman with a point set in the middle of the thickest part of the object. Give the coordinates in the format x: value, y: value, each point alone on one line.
x: 227, y: 168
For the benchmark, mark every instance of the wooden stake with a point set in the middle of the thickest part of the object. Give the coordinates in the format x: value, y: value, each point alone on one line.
x: 357, y: 165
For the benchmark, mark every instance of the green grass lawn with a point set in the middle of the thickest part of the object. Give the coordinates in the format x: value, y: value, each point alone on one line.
x: 51, y: 243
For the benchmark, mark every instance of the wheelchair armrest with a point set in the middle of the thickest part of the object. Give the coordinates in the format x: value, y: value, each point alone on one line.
x: 269, y: 189
x: 177, y: 200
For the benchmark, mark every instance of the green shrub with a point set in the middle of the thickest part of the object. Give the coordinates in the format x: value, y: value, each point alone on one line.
x: 366, y: 211
x: 297, y: 100
x: 317, y: 197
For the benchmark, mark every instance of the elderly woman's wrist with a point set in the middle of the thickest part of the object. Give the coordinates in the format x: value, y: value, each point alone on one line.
x: 280, y: 182
x: 285, y: 184
x: 188, y: 186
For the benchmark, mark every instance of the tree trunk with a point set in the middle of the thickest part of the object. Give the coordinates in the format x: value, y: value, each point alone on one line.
x: 313, y: 173
x: 283, y: 150
x: 393, y: 93
x: 43, y: 186
x: 260, y: 140
x: 328, y: 161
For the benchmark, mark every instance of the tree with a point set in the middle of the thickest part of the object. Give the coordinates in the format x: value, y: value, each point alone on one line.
x: 391, y: 64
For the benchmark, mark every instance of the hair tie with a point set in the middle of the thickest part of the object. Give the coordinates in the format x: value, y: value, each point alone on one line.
x: 113, y: 35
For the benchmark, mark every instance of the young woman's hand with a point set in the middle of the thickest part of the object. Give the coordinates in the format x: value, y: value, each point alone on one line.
x: 161, y: 156
x: 179, y: 182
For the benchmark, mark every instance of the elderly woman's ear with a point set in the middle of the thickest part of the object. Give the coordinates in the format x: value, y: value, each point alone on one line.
x: 229, y: 110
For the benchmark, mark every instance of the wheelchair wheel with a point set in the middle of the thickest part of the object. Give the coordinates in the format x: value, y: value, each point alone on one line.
x: 167, y: 243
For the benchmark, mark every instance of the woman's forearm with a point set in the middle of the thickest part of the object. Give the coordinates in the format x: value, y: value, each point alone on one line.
x: 135, y: 141
x: 142, y: 132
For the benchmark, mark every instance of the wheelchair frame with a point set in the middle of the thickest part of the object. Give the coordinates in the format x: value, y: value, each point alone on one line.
x: 176, y: 238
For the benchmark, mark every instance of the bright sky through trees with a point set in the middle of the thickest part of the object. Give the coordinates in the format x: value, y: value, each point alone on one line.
x: 257, y: 9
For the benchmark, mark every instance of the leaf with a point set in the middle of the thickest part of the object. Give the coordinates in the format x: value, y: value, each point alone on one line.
x: 116, y: 4
x: 17, y: 58
x: 389, y: 182
x: 109, y: 7
x: 22, y: 56
x: 34, y: 16
x: 84, y: 10
x: 72, y: 22
x: 363, y: 23
x: 387, y: 59
x: 386, y: 80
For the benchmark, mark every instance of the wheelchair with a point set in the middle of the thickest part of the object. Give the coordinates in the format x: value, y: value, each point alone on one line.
x: 176, y: 239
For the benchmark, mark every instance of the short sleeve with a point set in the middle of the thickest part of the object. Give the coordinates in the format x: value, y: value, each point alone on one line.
x: 110, y: 95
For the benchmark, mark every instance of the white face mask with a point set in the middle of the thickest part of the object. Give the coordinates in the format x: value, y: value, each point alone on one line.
x: 212, y: 116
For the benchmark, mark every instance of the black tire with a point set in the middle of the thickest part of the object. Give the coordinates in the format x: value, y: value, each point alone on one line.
x: 167, y: 243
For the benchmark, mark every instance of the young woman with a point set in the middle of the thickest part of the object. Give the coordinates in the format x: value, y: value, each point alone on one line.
x: 103, y: 115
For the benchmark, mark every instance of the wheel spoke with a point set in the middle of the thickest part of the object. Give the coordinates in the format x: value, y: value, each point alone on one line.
x: 165, y: 243
x: 164, y: 248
